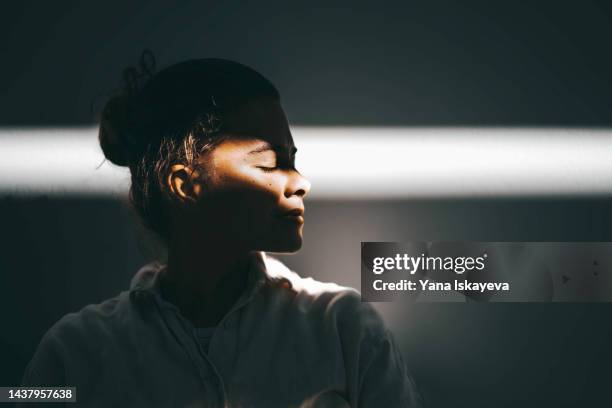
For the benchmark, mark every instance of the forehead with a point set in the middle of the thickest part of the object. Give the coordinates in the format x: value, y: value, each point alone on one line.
x: 260, y: 119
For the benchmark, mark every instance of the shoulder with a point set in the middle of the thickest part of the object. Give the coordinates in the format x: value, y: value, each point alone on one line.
x: 279, y: 271
x: 74, y: 333
x: 337, y: 304
x: 93, y: 315
x: 90, y: 322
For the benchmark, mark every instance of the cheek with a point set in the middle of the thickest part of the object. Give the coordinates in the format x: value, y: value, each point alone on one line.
x: 262, y: 197
x: 259, y: 205
x: 246, y: 193
x: 256, y: 185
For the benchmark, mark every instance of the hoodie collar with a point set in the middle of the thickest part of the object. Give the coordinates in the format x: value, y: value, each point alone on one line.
x: 146, y: 281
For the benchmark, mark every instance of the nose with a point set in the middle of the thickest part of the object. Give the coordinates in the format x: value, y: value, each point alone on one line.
x: 297, y: 185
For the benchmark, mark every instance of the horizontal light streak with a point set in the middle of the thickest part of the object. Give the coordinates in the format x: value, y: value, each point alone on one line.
x: 352, y: 162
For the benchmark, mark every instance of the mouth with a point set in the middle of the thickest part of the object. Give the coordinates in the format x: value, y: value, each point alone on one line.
x: 295, y: 215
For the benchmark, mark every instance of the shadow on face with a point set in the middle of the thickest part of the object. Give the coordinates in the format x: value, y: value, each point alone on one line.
x: 253, y: 196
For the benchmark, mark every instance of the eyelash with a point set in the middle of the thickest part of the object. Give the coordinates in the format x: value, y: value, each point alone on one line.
x: 267, y: 169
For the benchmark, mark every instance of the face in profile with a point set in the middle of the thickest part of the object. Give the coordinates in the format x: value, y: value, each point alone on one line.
x: 253, y: 196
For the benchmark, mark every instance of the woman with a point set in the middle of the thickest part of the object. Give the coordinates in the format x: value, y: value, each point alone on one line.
x: 219, y: 324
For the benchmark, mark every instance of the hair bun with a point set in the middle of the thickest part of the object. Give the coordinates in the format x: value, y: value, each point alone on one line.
x: 112, y: 135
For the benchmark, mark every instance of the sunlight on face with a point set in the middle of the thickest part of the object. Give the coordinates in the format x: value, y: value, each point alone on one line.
x: 254, y: 194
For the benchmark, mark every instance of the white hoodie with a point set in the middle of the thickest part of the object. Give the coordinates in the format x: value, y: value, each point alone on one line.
x: 287, y: 342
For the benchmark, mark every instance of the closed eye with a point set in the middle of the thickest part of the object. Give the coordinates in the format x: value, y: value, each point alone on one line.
x: 267, y: 169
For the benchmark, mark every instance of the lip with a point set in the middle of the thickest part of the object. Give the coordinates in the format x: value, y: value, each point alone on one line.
x: 295, y: 214
x: 295, y: 218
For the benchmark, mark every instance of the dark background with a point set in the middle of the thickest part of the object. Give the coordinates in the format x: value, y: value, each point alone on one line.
x: 409, y: 63
x: 436, y: 63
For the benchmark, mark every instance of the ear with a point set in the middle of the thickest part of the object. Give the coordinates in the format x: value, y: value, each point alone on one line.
x: 183, y: 183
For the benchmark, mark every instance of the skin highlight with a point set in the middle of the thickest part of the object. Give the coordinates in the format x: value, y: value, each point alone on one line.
x: 249, y: 198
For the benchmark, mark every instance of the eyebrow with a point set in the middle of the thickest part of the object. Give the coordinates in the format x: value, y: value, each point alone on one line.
x: 266, y: 146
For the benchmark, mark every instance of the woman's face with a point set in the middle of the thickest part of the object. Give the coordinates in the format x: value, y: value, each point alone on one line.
x: 253, y: 196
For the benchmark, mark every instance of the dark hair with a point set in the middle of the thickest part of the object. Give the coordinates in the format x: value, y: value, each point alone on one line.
x: 176, y: 116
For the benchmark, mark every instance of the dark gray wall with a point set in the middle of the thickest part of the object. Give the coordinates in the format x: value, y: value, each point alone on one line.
x: 426, y: 62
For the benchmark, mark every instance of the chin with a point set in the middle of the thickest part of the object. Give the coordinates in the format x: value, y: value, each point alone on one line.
x: 287, y: 245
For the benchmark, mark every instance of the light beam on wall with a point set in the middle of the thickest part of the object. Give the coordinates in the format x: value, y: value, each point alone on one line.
x: 352, y: 162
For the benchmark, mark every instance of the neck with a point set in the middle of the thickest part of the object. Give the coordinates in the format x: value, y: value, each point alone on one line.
x: 204, y: 279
